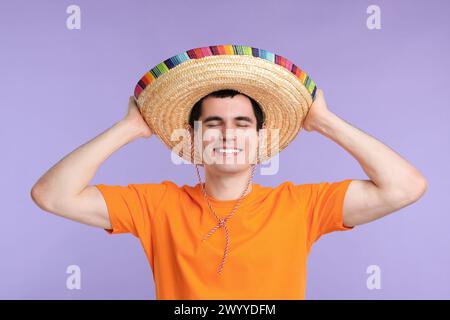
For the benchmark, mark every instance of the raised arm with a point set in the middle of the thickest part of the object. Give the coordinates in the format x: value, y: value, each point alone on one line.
x: 64, y: 189
x: 394, y: 182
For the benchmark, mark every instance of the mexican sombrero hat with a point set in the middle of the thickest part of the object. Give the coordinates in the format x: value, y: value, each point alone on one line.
x: 166, y: 94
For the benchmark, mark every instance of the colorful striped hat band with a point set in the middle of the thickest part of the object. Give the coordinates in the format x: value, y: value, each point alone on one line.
x: 166, y: 94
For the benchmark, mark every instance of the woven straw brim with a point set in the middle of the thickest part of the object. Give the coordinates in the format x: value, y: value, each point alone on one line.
x: 167, y: 101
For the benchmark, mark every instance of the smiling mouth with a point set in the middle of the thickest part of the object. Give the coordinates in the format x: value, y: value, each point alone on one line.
x: 227, y: 150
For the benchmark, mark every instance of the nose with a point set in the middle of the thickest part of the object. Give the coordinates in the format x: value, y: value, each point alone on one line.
x: 229, y: 140
x: 228, y: 134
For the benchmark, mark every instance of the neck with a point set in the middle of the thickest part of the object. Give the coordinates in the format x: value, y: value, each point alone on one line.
x: 227, y: 187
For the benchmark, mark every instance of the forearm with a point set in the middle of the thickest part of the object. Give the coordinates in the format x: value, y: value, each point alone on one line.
x: 386, y: 168
x: 73, y: 173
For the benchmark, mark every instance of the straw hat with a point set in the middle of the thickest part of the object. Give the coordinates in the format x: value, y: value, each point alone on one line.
x: 166, y: 94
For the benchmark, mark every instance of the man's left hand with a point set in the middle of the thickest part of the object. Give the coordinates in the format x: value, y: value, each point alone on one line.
x: 317, y: 112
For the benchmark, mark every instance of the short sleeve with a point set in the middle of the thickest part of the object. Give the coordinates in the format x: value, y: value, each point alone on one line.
x: 132, y: 208
x: 324, y: 208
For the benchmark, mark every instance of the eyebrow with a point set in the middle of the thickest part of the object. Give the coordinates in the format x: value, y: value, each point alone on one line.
x: 216, y: 118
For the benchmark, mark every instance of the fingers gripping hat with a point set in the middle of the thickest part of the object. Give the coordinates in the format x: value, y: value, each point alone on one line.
x: 166, y: 94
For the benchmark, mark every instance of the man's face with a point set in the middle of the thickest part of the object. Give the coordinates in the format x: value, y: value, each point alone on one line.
x: 229, y: 134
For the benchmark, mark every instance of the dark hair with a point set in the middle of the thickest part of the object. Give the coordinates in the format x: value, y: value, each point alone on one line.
x: 197, y: 109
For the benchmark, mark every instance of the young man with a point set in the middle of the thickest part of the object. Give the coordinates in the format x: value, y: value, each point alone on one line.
x: 228, y: 238
x: 267, y: 239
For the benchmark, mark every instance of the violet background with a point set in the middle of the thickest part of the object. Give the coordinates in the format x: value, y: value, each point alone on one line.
x: 60, y: 88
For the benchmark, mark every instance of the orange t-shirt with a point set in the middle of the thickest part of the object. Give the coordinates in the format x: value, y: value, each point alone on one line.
x: 270, y: 236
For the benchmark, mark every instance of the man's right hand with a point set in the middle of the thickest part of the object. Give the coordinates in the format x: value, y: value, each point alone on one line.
x: 135, y: 120
x: 64, y: 189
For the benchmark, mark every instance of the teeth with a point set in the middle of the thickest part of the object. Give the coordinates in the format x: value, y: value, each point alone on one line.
x: 228, y: 150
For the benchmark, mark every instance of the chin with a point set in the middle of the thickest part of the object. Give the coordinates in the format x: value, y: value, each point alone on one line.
x: 230, y: 168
